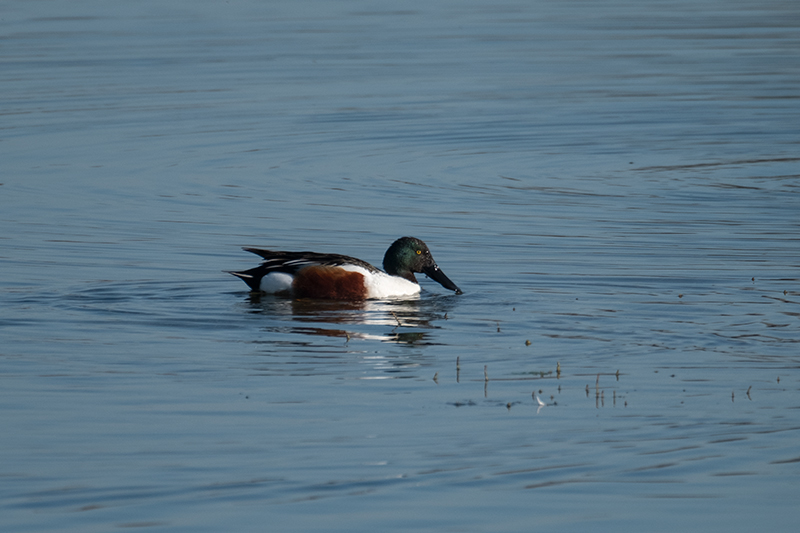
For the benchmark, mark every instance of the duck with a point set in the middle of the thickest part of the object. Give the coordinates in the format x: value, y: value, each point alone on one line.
x: 341, y: 277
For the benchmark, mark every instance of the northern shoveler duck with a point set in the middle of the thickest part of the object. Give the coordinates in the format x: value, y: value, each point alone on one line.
x: 339, y: 277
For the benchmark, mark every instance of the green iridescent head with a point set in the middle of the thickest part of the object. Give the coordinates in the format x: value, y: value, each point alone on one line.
x: 408, y: 255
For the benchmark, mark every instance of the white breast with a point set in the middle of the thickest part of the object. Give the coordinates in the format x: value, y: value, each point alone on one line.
x: 382, y: 285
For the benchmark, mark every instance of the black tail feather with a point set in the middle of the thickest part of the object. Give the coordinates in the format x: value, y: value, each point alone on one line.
x: 252, y: 277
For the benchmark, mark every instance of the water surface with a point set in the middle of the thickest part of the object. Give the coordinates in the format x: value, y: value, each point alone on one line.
x: 614, y: 187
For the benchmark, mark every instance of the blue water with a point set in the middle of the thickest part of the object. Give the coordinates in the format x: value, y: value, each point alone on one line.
x: 615, y: 186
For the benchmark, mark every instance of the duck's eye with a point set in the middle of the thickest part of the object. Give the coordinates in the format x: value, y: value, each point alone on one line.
x: 419, y: 252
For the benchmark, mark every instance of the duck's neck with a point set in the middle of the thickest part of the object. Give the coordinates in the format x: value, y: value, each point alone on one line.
x: 405, y: 275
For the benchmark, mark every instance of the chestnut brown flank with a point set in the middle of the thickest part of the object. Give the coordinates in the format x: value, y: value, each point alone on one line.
x: 331, y: 283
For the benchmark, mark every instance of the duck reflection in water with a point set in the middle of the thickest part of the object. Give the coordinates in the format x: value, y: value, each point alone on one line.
x: 409, y: 319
